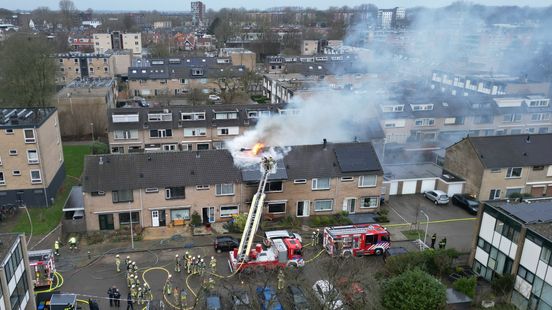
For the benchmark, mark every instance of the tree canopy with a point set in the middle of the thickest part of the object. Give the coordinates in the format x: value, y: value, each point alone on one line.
x: 412, y: 290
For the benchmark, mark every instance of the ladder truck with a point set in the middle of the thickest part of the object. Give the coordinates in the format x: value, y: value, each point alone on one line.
x: 285, y: 253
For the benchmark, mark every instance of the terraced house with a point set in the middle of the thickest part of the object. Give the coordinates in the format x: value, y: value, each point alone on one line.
x: 158, y: 189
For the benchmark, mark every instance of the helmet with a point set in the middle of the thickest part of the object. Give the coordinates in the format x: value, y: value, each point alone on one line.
x: 134, y: 263
x: 186, y: 252
x: 128, y: 257
x: 202, y: 260
x: 117, y: 255
x: 170, y: 275
x: 318, y: 229
x: 133, y: 286
x: 194, y: 257
x: 139, y: 288
x: 176, y: 255
x: 212, y: 257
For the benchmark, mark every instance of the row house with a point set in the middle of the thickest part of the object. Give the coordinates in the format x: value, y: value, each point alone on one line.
x: 158, y: 189
x: 313, y: 64
x: 447, y: 119
x: 516, y: 238
x: 174, y: 77
x: 464, y: 84
x: 181, y: 128
x: 500, y: 166
x: 31, y: 156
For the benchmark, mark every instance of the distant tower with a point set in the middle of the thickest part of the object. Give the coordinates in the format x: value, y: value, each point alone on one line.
x: 198, y: 12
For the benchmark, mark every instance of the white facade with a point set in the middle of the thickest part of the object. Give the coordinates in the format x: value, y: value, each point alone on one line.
x: 102, y: 42
x: 132, y: 41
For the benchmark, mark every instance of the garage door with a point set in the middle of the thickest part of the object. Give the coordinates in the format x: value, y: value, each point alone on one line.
x: 455, y: 189
x: 427, y: 185
x: 409, y: 187
x: 393, y: 188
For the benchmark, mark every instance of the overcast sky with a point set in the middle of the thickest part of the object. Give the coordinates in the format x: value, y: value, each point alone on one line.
x: 179, y: 5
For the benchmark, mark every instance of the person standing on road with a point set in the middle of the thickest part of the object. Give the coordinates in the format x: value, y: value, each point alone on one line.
x: 118, y: 262
x: 213, y: 264
x: 110, y: 293
x: 189, y: 261
x: 73, y: 243
x: 442, y: 243
x: 313, y: 241
x: 433, y: 240
x: 280, y: 279
x: 130, y: 305
x: 168, y: 285
x: 117, y: 297
x: 201, y: 267
x: 56, y: 247
x: 176, y: 263
x: 194, y: 265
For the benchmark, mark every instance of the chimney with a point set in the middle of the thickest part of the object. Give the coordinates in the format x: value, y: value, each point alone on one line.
x: 528, y: 139
x: 101, y: 160
x: 324, y: 143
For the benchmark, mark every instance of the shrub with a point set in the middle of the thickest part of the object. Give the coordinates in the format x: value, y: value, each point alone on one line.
x: 503, y: 285
x: 382, y: 219
x: 414, y: 289
x: 99, y: 148
x: 466, y: 286
x: 196, y: 219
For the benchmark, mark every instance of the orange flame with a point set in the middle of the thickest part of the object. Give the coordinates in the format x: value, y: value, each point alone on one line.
x: 257, y: 148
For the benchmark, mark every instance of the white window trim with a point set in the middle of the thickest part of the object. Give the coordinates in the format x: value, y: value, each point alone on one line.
x: 347, y: 179
x: 150, y: 190
x: 230, y: 194
x: 29, y: 140
x: 33, y: 161
x: 35, y: 181
x: 361, y: 178
x: 16, y: 173
x: 548, y: 172
x: 361, y: 204
x: 230, y: 215
x: 3, y: 179
x: 276, y: 202
x: 300, y: 181
x: 9, y: 131
x: 13, y: 153
x: 321, y: 189
x: 512, y: 169
x: 307, y: 202
x: 202, y: 187
x: 329, y: 210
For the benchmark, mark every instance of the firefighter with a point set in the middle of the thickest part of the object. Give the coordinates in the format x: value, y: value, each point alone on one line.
x: 129, y: 281
x: 176, y: 295
x: 147, y: 291
x: 211, y: 283
x: 73, y: 243
x: 133, y: 292
x: 189, y: 264
x: 117, y: 298
x: 313, y: 238
x: 176, y: 263
x: 129, y: 266
x: 136, y: 280
x: 443, y: 243
x: 110, y: 294
x: 132, y: 283
x: 433, y: 240
x: 213, y: 264
x: 317, y: 237
x: 202, y: 267
x: 194, y: 265
x: 168, y: 285
x: 134, y: 267
x: 127, y: 261
x: 56, y: 247
x: 140, y: 296
x: 183, y: 298
x: 118, y: 262
x: 280, y: 279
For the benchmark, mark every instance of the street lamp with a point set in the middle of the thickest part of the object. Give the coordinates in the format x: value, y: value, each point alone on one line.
x: 131, y: 231
x: 92, y: 126
x: 427, y: 225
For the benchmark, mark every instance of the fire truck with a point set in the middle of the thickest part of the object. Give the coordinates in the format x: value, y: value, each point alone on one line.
x: 356, y: 240
x: 43, y: 267
x: 282, y: 251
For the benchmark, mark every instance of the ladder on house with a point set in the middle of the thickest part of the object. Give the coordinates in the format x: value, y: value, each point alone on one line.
x: 255, y: 211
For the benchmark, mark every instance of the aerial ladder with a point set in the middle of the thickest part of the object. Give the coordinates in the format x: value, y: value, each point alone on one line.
x: 255, y: 212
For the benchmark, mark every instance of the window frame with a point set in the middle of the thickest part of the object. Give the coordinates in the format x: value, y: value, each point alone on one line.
x: 33, y: 161
x: 227, y: 214
x: 362, y: 203
x: 510, y: 170
x: 2, y: 178
x: 220, y: 187
x: 315, y: 184
x: 35, y: 180
x: 323, y: 200
x: 284, y: 203
x: 115, y: 196
x: 170, y: 195
x: 363, y: 177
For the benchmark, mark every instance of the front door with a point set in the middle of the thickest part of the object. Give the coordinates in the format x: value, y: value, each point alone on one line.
x: 208, y: 215
x: 162, y: 219
x: 155, y: 218
x: 303, y: 208
x: 349, y: 205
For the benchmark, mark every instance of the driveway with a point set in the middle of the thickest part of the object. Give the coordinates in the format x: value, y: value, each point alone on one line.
x: 448, y: 221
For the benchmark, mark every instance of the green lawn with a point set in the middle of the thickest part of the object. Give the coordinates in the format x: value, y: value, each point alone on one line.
x: 413, y: 234
x: 45, y: 220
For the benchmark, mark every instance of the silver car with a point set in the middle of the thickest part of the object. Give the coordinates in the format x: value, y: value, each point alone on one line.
x: 438, y: 197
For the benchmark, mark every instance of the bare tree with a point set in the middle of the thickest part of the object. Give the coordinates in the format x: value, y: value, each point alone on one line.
x: 68, y: 11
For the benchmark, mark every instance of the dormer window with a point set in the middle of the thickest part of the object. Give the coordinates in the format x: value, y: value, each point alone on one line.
x: 197, y: 72
x: 421, y: 107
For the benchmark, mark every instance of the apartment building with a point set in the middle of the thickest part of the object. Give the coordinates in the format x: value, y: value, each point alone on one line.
x: 76, y: 65
x: 516, y: 238
x: 31, y: 156
x: 146, y: 189
x: 444, y: 119
x: 391, y: 18
x: 117, y: 40
x: 465, y: 83
x: 174, y: 77
x: 198, y: 13
x: 497, y: 167
x: 181, y: 128
x: 309, y: 47
x: 314, y: 64
x: 240, y: 57
x: 16, y: 285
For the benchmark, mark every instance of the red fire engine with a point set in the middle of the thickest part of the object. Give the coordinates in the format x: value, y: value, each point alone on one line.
x: 43, y: 267
x: 282, y: 252
x: 356, y: 240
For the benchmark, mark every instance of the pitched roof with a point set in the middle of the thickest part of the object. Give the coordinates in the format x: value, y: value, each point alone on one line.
x: 132, y: 171
x: 513, y: 150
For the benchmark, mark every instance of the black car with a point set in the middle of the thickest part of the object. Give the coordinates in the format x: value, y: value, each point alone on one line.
x: 298, y: 297
x: 225, y: 243
x: 467, y: 202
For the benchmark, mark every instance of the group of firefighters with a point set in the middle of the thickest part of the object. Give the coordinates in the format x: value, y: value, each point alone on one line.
x: 140, y: 292
x: 72, y: 244
x: 442, y: 243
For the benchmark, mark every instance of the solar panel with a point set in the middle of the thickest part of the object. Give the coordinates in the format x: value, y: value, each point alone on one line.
x: 534, y: 212
x: 357, y: 157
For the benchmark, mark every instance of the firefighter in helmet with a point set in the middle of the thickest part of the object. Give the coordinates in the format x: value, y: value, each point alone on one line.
x: 118, y: 262
x: 168, y: 285
x: 73, y: 243
x: 280, y: 279
x: 213, y: 264
x: 176, y: 263
x: 57, y: 244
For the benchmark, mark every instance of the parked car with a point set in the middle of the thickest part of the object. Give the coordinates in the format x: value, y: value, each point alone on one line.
x: 395, y: 251
x: 467, y: 202
x: 327, y: 295
x: 268, y: 299
x: 213, y: 302
x: 240, y: 300
x: 298, y: 298
x: 214, y: 98
x: 438, y: 197
x: 225, y: 243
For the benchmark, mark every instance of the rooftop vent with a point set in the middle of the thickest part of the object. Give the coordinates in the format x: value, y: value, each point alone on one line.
x: 528, y: 139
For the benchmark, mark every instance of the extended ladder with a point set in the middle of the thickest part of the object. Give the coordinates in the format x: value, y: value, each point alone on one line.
x: 255, y: 212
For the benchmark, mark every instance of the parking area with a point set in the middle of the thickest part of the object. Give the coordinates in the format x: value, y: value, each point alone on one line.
x: 449, y: 221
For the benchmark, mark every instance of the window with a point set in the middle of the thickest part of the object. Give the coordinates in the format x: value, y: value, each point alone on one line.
x: 160, y: 133
x: 323, y: 205
x: 13, y: 152
x: 159, y: 117
x: 194, y: 132
x: 538, y: 103
x: 98, y: 193
x: 228, y: 211
x: 540, y: 116
x: 124, y: 218
x: 8, y: 131
x: 175, y: 193
x: 273, y: 186
x: 224, y: 189
x: 180, y: 214
x: 511, y: 118
x: 32, y: 157
x: 494, y: 194
x: 2, y: 178
x: 16, y: 172
x: 122, y: 196
x: 424, y: 122
x: 320, y: 183
x: 194, y: 116
x: 421, y: 107
x: 300, y: 181
x: 106, y: 221
x: 202, y: 146
x: 228, y: 131
x: 347, y: 179
x: 548, y: 172
x: 484, y: 245
x: 546, y: 255
x: 35, y: 177
x: 276, y: 207
x: 202, y: 187
x: 511, y: 191
x: 513, y: 172
x: 169, y: 147
x: 396, y: 123
x: 150, y: 190
x: 367, y: 181
x: 459, y: 120
x: 369, y: 202
x: 226, y: 115
x: 538, y: 168
x: 393, y: 108
x: 197, y: 72
x: 20, y: 291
